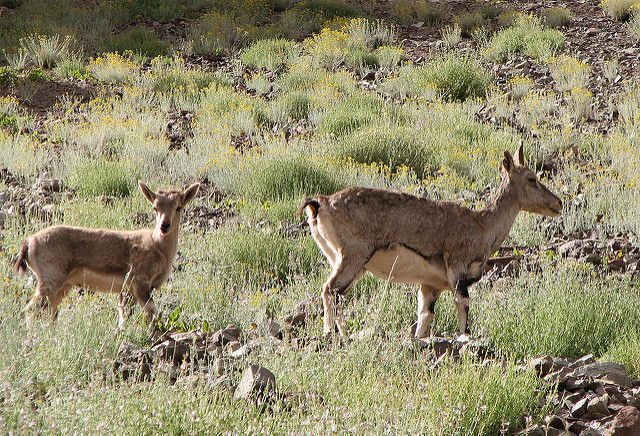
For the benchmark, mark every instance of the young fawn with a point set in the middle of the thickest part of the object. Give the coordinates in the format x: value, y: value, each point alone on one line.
x: 129, y: 262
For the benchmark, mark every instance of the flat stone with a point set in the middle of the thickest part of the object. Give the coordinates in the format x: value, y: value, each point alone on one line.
x: 591, y: 31
x: 608, y: 372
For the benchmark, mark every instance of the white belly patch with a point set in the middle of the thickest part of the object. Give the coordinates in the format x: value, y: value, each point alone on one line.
x: 399, y: 264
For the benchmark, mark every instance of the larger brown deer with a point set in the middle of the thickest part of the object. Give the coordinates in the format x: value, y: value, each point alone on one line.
x: 406, y: 239
x: 132, y: 262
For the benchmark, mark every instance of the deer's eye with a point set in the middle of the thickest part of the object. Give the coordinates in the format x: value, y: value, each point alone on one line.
x: 532, y: 180
x: 178, y: 209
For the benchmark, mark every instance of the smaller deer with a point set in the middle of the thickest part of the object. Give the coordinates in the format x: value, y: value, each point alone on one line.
x: 406, y: 239
x: 128, y: 262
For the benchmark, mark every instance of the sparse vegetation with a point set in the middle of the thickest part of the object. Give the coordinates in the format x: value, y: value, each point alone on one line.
x: 556, y: 17
x: 618, y: 9
x: 528, y: 37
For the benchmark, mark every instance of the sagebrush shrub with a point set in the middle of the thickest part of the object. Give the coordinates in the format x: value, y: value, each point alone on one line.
x: 457, y: 78
x: 270, y: 54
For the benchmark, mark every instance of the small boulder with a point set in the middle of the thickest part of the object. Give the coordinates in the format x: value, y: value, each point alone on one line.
x: 228, y: 334
x: 626, y: 422
x: 132, y: 361
x: 256, y: 381
x: 608, y: 372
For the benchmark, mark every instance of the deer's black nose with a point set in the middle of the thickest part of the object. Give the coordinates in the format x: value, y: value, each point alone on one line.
x: 165, y: 226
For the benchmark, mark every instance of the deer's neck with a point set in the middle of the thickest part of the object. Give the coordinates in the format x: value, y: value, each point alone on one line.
x: 498, y: 217
x: 167, y: 242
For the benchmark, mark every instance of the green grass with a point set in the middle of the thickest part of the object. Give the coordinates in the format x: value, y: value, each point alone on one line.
x: 284, y: 176
x: 526, y: 36
x: 357, y: 111
x: 270, y: 54
x: 571, y: 312
x: 457, y: 78
x: 139, y: 40
x: 394, y: 147
x: 102, y: 178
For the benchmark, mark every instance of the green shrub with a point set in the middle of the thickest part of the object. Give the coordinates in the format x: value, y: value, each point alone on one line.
x: 510, y: 17
x: 618, y: 9
x: 330, y: 9
x: 369, y: 34
x: 291, y: 106
x: 633, y: 25
x: 102, y: 178
x: 153, y: 9
x: 284, y: 177
x: 271, y: 54
x: 626, y: 351
x: 412, y: 11
x: 527, y: 37
x: 457, y: 78
x: 557, y: 17
x: 299, y: 22
x: 45, y: 51
x: 572, y: 312
x: 392, y: 146
x: 139, y: 40
x: 73, y: 67
x: 469, y: 22
x: 361, y: 59
x: 490, y: 10
x: 390, y: 57
x: 359, y: 110
x: 216, y: 33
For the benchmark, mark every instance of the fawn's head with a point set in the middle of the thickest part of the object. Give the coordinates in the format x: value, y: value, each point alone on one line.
x: 532, y: 195
x: 168, y: 205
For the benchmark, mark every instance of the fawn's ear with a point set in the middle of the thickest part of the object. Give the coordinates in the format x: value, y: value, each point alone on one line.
x: 189, y: 193
x: 507, y: 165
x: 146, y: 191
x: 519, y: 158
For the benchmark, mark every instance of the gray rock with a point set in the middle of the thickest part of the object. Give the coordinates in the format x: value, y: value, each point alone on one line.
x: 256, y: 381
x: 580, y: 408
x: 608, y: 372
x: 584, y: 360
x: 273, y: 328
x: 598, y: 405
x: 228, y: 334
x: 132, y: 361
x: 626, y: 422
x: 591, y: 31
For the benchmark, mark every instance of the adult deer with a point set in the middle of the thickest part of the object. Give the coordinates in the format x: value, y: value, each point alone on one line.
x: 407, y: 239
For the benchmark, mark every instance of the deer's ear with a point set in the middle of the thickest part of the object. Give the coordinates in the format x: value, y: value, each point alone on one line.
x: 148, y: 193
x: 519, y: 158
x: 189, y: 193
x: 507, y: 165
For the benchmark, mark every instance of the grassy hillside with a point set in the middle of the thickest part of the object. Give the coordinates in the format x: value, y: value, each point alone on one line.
x: 266, y: 102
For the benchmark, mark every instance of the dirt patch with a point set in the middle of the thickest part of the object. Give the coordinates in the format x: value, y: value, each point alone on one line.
x: 40, y: 97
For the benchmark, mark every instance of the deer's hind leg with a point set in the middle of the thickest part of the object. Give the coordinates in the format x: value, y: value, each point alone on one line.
x: 47, y: 296
x: 348, y: 269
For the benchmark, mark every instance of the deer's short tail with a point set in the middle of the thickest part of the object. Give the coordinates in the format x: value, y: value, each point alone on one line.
x: 20, y: 267
x: 314, y: 205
